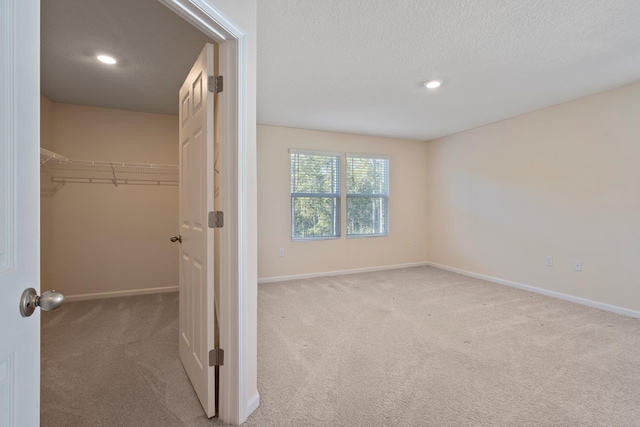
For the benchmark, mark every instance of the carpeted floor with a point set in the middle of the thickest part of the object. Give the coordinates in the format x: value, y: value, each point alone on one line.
x: 411, y: 347
x: 114, y: 362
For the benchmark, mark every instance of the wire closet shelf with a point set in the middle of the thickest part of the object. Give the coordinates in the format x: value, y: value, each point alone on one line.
x: 62, y: 169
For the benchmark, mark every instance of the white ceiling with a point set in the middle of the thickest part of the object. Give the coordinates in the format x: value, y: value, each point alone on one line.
x: 356, y: 65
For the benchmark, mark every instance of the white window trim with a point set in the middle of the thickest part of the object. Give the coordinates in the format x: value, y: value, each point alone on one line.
x: 343, y: 195
x: 315, y: 152
x: 367, y: 156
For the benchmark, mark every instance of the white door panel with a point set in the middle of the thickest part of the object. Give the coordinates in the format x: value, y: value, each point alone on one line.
x: 196, y: 250
x: 19, y: 210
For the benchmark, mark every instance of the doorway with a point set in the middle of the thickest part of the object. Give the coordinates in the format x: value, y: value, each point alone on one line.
x: 110, y: 240
x: 20, y: 67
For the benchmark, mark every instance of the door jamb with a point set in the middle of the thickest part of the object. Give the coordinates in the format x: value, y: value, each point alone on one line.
x: 234, y: 405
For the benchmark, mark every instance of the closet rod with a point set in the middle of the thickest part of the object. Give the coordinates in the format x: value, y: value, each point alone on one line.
x: 62, y: 169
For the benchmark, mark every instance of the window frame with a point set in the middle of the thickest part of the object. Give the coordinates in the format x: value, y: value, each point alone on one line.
x: 337, y: 196
x: 385, y: 197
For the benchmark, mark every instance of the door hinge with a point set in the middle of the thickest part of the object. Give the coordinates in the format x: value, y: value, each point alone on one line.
x: 215, y: 84
x: 216, y: 357
x: 216, y: 219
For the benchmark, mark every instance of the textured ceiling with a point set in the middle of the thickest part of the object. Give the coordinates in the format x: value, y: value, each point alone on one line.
x: 357, y: 65
x: 154, y: 46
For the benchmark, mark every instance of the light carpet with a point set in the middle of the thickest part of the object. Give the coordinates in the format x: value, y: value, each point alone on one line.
x: 411, y: 347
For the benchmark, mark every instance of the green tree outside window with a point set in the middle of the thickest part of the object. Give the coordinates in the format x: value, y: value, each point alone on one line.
x: 367, y: 195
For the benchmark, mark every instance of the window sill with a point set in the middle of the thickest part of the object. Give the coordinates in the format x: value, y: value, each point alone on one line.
x: 360, y: 236
x: 313, y: 239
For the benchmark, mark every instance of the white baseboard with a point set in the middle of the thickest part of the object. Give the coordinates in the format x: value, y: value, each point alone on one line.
x: 252, y: 404
x: 559, y: 295
x: 339, y: 272
x: 115, y: 294
x: 554, y: 294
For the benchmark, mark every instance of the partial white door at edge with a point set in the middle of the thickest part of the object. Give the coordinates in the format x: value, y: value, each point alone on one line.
x: 19, y: 211
x: 197, y: 247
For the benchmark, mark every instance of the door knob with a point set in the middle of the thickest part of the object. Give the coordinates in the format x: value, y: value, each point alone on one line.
x: 50, y: 300
x: 176, y: 238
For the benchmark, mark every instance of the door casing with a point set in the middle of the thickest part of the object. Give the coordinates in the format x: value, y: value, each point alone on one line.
x: 234, y: 407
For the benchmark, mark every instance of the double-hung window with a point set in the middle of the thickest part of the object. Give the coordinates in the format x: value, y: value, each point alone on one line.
x: 367, y: 195
x: 315, y: 195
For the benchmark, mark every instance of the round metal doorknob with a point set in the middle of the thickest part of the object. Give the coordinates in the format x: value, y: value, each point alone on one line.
x: 50, y: 300
x: 176, y: 238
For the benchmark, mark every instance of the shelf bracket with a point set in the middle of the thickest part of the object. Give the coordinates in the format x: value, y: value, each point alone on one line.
x: 115, y: 180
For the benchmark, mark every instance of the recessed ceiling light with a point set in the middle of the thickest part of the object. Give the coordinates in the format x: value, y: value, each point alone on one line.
x: 432, y: 84
x: 107, y: 59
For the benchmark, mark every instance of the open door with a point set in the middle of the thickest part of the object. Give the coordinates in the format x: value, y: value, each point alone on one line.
x: 19, y: 211
x: 197, y: 297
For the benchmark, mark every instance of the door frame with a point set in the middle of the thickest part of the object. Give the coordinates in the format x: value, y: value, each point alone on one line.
x: 234, y: 405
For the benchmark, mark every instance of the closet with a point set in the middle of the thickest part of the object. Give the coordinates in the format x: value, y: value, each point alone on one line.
x: 106, y: 214
x: 109, y: 145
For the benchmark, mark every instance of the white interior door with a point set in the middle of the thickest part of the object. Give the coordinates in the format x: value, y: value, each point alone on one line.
x: 19, y: 210
x: 197, y: 299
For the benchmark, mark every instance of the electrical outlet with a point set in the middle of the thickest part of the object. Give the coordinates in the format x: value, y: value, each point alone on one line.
x: 281, y: 252
x: 549, y: 260
x: 577, y: 265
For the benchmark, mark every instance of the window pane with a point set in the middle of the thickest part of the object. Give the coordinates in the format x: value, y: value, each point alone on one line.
x: 315, y: 195
x: 367, y: 215
x: 311, y: 173
x: 367, y: 176
x: 315, y: 217
x: 367, y: 195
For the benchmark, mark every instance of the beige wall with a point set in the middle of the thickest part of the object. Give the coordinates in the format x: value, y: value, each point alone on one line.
x: 563, y: 181
x: 407, y: 206
x: 102, y: 238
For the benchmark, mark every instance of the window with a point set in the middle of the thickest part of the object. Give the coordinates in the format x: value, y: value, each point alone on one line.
x: 315, y: 195
x: 367, y: 195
